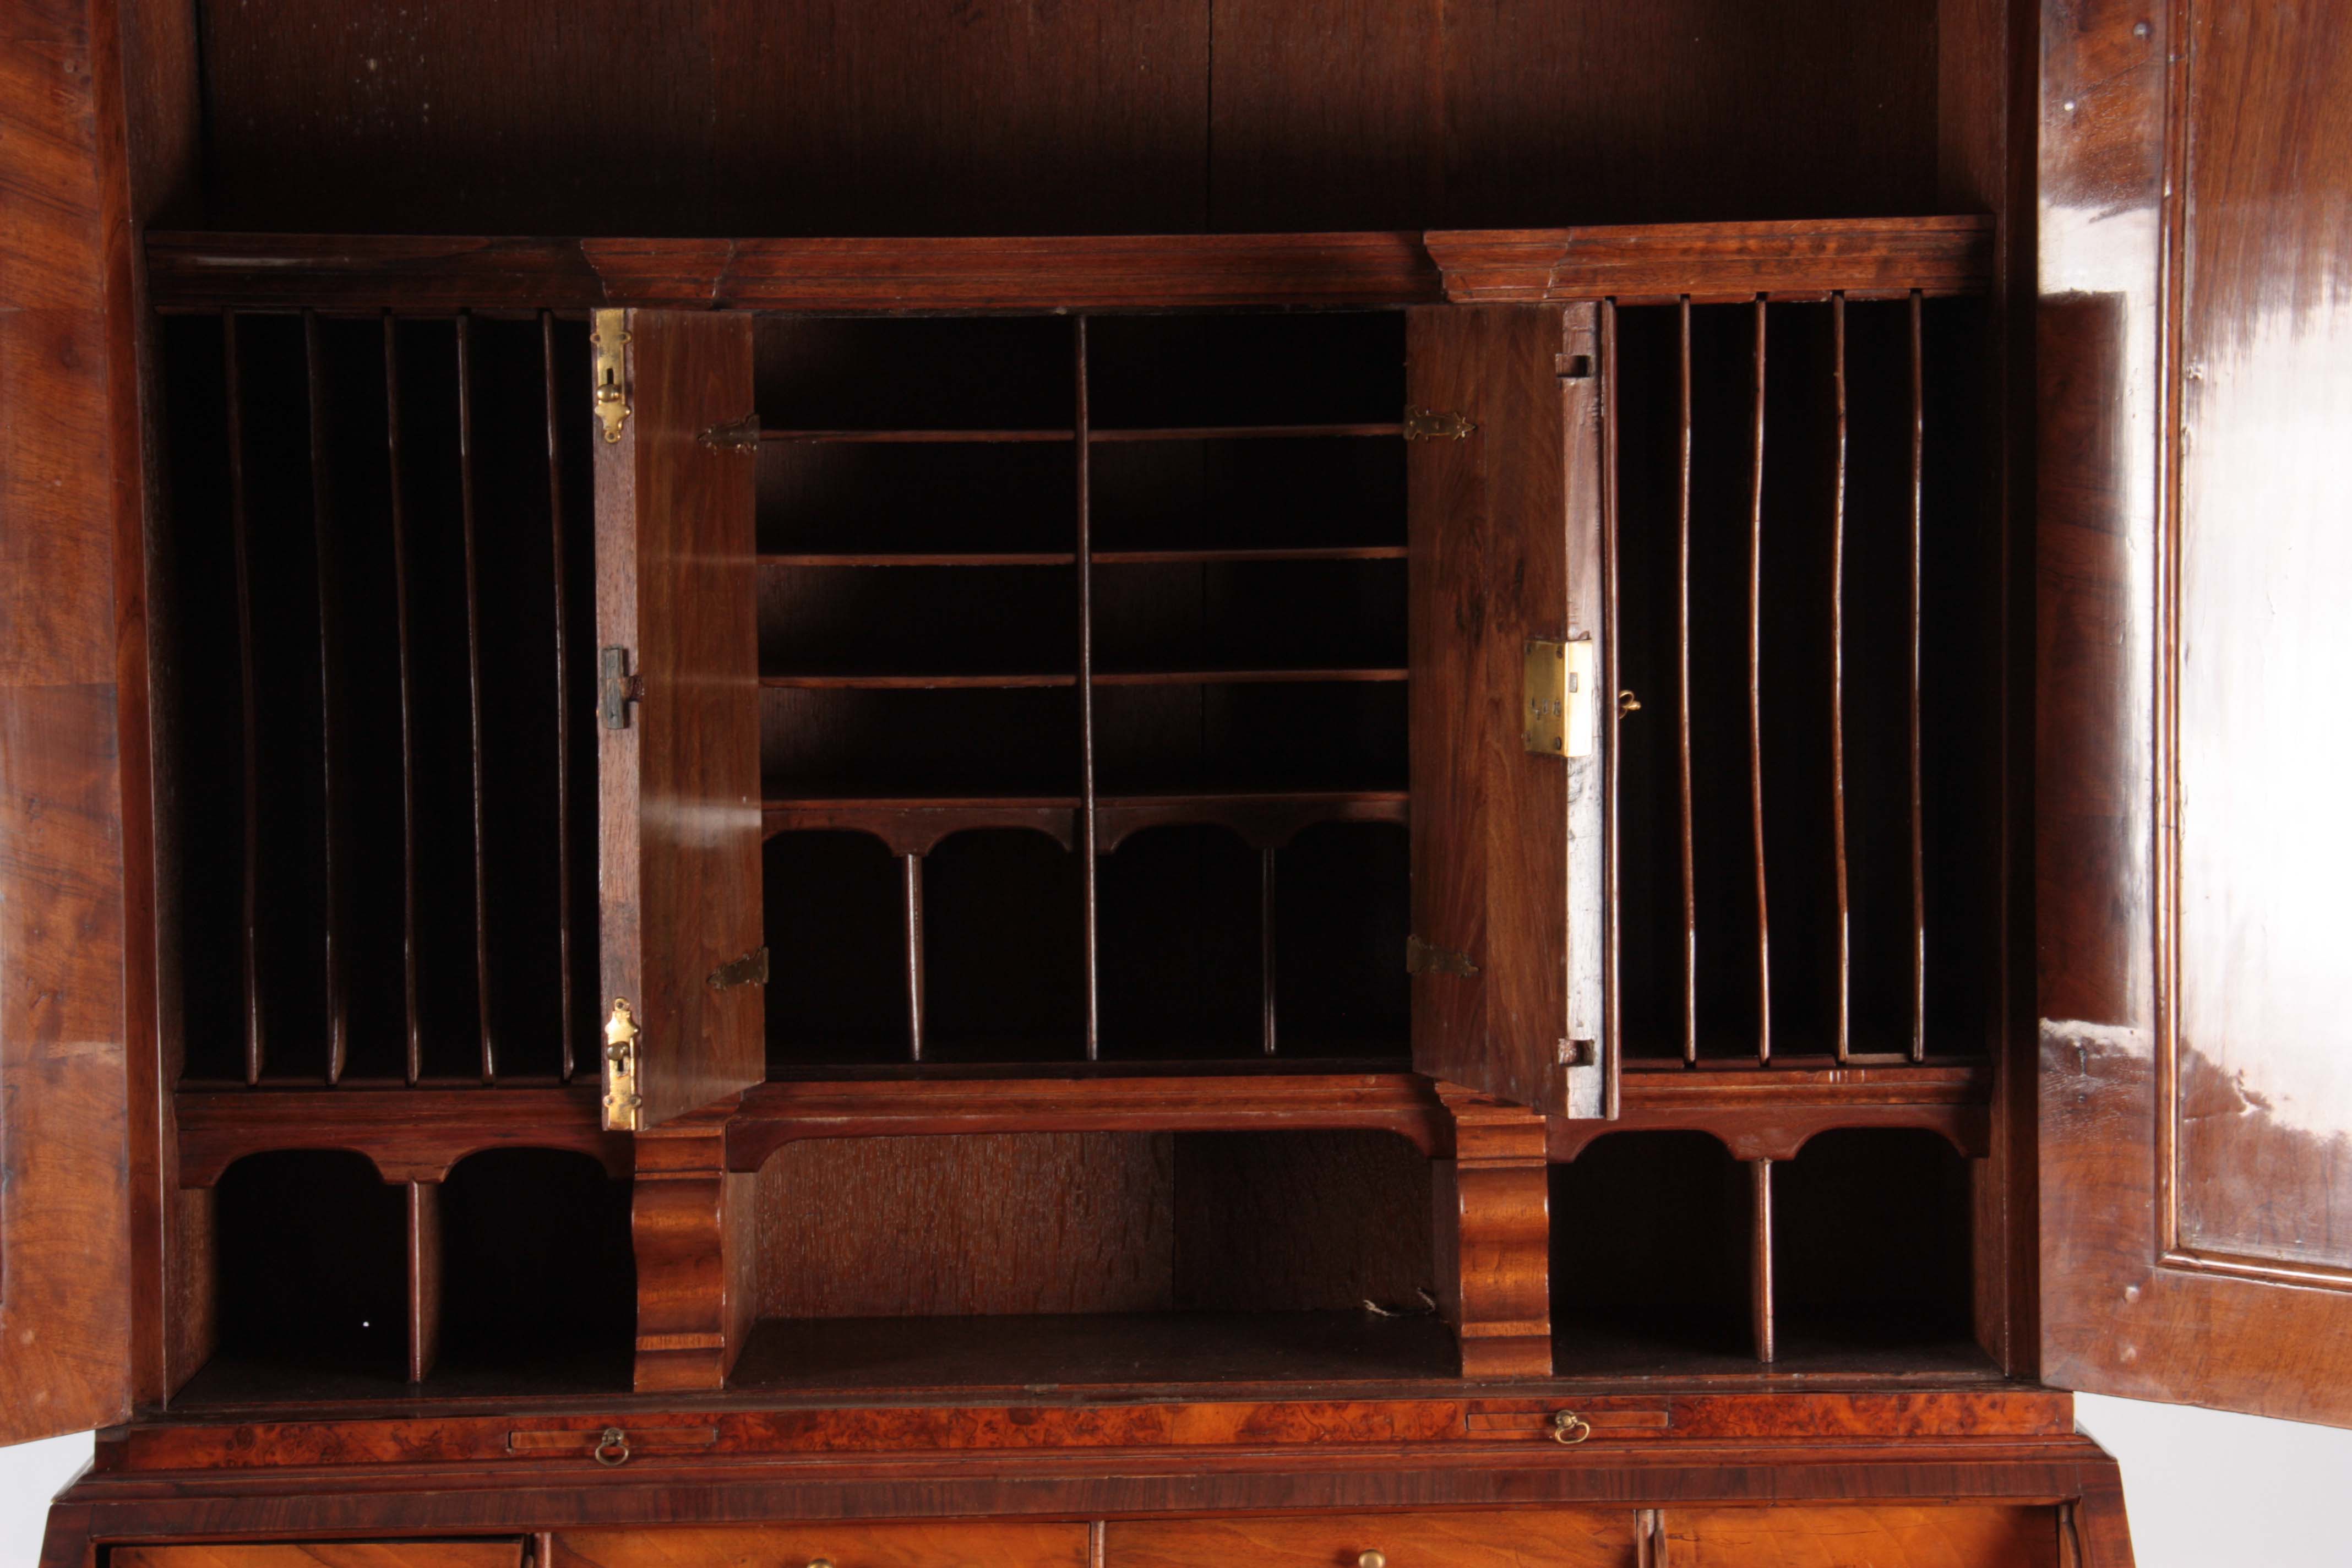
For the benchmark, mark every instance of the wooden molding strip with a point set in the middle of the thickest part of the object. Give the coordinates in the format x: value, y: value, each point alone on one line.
x: 411, y: 1134
x: 1866, y: 257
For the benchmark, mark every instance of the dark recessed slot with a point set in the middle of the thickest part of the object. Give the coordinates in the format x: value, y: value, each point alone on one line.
x: 916, y: 374
x: 1078, y: 1258
x: 1182, y: 974
x: 1343, y: 898
x: 1803, y: 685
x: 918, y: 621
x: 312, y: 1266
x: 1650, y: 1257
x: 538, y: 1278
x: 1005, y: 949
x: 826, y: 498
x: 836, y: 910
x: 404, y: 695
x: 835, y: 743
x: 1215, y: 616
x: 1302, y: 735
x: 1148, y: 371
x: 1333, y: 492
x: 1909, y: 1286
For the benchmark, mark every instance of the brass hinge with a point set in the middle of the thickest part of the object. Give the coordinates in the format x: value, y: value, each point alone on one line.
x: 1556, y: 697
x: 1421, y: 958
x: 742, y: 436
x: 1436, y: 425
x: 621, y: 1100
x: 751, y: 969
x: 616, y: 687
x: 608, y: 336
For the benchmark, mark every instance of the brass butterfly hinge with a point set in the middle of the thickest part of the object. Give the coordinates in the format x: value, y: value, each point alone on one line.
x: 621, y: 1100
x: 751, y: 969
x: 1436, y: 424
x: 608, y: 336
x: 1421, y: 958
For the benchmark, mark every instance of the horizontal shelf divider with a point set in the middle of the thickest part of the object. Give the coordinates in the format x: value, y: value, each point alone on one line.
x: 1265, y: 819
x: 1246, y: 432
x: 1347, y: 675
x: 1246, y: 554
x: 915, y: 437
x: 919, y: 558
x: 1771, y: 1113
x: 411, y: 1134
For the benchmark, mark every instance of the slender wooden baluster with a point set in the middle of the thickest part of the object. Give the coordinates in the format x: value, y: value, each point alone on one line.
x: 474, y: 689
x: 423, y: 1278
x: 1682, y: 682
x: 1086, y: 700
x: 1611, y: 1041
x: 1919, y: 839
x: 1759, y: 1260
x: 241, y: 544
x: 1265, y: 950
x: 1756, y: 702
x: 563, y: 982
x: 397, y: 497
x: 334, y: 830
x: 1844, y: 1040
x: 914, y: 869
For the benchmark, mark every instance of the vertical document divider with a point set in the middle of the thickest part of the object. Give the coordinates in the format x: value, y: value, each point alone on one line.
x: 1756, y: 700
x: 1083, y: 437
x: 1918, y: 843
x: 1682, y: 682
x: 413, y: 1024
x: 474, y: 688
x: 565, y: 1021
x: 241, y: 545
x: 335, y: 830
x: 1844, y: 935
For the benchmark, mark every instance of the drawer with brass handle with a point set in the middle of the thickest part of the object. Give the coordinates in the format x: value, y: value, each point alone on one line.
x: 1490, y: 1538
x: 827, y: 1545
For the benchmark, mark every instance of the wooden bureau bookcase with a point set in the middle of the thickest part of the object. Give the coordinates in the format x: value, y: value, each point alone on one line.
x: 1211, y: 848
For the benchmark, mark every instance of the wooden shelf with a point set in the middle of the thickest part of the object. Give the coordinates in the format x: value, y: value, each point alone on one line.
x: 773, y: 1114
x: 413, y: 1135
x: 915, y: 437
x: 915, y: 558
x: 1249, y: 555
x: 1769, y: 1113
x: 918, y: 682
x: 914, y: 824
x: 1246, y: 432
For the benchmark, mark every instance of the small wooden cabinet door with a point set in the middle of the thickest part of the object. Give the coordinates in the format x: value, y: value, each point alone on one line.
x: 679, y: 759
x: 2194, y: 845
x: 1509, y: 940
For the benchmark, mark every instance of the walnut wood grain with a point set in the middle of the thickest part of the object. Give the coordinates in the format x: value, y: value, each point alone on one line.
x: 1929, y: 1536
x: 1654, y: 263
x: 411, y: 1134
x: 326, y: 1554
x: 777, y: 1113
x: 1712, y: 263
x: 1494, y: 1229
x: 849, y: 1545
x: 1596, y: 1538
x: 679, y: 810
x: 693, y: 1224
x: 1771, y: 1114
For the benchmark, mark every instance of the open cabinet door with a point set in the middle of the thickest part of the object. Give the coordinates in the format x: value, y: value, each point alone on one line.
x: 2194, y: 845
x: 678, y: 712
x: 1511, y: 735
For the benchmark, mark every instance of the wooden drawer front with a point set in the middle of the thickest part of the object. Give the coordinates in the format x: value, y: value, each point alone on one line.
x: 1948, y: 1537
x: 1490, y: 1538
x: 843, y: 1545
x: 326, y: 1554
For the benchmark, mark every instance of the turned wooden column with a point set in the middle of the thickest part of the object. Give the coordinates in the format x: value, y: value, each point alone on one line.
x: 691, y: 1220
x: 1493, y: 1220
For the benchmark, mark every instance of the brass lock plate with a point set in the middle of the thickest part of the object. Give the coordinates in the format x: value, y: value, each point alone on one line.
x: 1556, y: 698
x: 621, y: 1100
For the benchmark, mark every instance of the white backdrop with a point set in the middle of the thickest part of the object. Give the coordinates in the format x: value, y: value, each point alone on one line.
x: 2204, y: 1489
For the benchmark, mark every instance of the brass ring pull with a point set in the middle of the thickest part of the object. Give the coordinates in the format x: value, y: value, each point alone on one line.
x: 1569, y: 1429
x: 611, y: 1449
x: 1628, y: 703
x: 820, y: 1562
x: 1373, y: 1558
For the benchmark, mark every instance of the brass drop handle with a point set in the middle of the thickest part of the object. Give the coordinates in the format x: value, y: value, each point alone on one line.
x: 820, y: 1562
x: 611, y: 1449
x: 1373, y: 1558
x: 1627, y: 703
x: 1569, y: 1429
